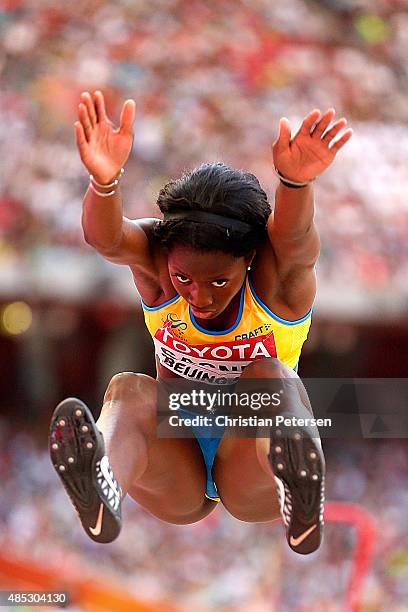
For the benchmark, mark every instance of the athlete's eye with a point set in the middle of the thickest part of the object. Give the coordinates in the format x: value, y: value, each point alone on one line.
x: 219, y: 283
x: 181, y: 278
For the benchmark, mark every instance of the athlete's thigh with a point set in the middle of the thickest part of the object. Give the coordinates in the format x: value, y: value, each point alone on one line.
x: 173, y: 485
x: 242, y: 472
x: 244, y: 480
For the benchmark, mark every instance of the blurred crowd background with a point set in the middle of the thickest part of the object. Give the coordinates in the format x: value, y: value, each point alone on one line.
x: 211, y: 80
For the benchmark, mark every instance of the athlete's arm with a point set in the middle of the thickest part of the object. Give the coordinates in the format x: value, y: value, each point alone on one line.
x: 292, y: 232
x: 117, y: 238
x: 104, y: 150
x: 291, y: 229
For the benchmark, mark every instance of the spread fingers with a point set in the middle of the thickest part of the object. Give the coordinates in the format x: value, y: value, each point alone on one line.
x: 86, y: 99
x: 334, y: 130
x: 85, y: 120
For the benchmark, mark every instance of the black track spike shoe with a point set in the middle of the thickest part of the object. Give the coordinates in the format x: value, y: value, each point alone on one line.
x: 77, y: 452
x: 298, y: 464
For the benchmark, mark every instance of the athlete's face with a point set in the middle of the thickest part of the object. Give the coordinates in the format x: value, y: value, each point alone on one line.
x: 207, y: 281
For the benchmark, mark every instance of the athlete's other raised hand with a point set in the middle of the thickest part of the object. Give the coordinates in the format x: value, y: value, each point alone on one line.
x: 103, y: 148
x: 308, y: 153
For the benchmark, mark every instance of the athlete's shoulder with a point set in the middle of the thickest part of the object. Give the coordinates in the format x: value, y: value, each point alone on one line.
x: 147, y: 224
x: 153, y: 280
x: 290, y: 296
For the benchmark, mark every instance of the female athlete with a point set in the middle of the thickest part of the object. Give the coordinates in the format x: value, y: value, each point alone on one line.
x: 227, y: 289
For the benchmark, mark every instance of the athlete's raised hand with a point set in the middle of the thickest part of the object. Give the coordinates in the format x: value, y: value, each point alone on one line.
x: 308, y: 153
x: 103, y: 148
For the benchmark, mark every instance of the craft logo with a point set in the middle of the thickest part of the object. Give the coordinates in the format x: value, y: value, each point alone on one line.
x: 254, y: 333
x: 218, y: 363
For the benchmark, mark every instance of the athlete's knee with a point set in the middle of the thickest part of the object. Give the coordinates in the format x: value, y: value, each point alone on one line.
x: 190, y: 514
x: 128, y: 385
x: 268, y: 368
x: 134, y: 395
x: 251, y: 513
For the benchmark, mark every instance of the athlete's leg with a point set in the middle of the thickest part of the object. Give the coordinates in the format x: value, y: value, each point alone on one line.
x: 166, y: 476
x: 242, y: 468
x: 242, y: 471
x: 122, y: 451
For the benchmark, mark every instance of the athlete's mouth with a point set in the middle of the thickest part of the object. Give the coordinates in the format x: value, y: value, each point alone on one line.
x: 202, y: 313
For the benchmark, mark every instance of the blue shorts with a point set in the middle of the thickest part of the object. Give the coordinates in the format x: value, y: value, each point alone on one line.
x: 209, y: 440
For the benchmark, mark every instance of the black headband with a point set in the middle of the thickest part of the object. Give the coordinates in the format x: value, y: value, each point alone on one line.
x: 200, y: 216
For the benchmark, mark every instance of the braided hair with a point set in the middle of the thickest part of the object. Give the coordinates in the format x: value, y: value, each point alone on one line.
x: 221, y: 190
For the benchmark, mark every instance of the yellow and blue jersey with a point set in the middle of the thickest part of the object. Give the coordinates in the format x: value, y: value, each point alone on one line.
x: 219, y: 357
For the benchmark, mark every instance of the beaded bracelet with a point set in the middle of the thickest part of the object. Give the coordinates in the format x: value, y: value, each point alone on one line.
x: 114, y: 183
x: 99, y: 193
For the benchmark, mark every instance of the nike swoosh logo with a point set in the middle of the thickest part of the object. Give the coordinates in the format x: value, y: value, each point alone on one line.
x: 98, y: 527
x: 302, y: 537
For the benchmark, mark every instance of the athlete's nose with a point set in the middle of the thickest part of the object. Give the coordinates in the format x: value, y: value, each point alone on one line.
x: 200, y: 297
